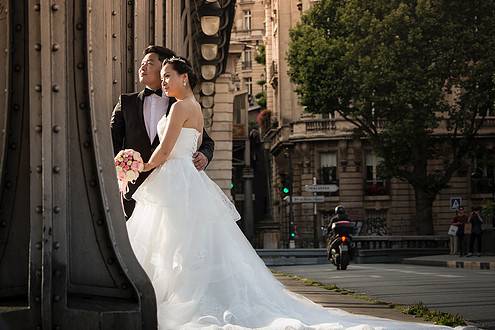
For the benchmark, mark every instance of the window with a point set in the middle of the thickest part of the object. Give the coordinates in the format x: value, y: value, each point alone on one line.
x: 248, y: 83
x: 483, y: 173
x: 328, y: 168
x: 247, y: 62
x: 247, y: 20
x: 375, y: 184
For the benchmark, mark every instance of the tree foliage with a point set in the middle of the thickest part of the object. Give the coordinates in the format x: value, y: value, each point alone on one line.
x: 400, y: 70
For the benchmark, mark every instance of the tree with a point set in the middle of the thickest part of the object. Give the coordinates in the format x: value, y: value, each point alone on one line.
x: 415, y: 77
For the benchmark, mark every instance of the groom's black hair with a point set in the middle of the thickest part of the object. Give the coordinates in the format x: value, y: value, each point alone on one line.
x: 162, y: 52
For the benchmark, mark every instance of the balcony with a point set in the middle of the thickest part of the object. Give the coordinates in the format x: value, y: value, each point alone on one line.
x: 247, y: 34
x: 247, y: 65
x: 376, y: 187
x: 483, y: 185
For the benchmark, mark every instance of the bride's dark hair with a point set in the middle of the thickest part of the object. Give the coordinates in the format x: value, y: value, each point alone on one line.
x: 182, y: 65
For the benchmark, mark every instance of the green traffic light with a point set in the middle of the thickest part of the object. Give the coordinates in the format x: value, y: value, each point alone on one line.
x: 292, y: 234
x: 285, y: 190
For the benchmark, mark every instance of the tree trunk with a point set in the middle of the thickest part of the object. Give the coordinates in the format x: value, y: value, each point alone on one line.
x: 424, y: 212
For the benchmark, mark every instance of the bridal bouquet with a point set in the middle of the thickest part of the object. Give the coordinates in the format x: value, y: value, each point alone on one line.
x: 128, y: 164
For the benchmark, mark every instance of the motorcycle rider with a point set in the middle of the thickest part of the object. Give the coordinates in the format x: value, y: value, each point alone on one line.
x: 340, y: 215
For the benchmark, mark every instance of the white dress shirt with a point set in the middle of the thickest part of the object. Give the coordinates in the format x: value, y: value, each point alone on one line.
x: 154, y: 108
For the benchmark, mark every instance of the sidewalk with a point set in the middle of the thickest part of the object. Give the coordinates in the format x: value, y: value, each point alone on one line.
x: 333, y: 299
x: 483, y: 262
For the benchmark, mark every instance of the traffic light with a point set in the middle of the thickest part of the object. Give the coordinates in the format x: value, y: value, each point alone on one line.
x: 293, y: 231
x: 284, y: 185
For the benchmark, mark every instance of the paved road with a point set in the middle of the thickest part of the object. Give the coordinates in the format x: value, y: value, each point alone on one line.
x: 470, y: 293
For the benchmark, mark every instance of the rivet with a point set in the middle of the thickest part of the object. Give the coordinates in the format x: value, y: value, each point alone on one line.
x: 92, y: 183
x: 114, y: 82
x: 37, y: 46
x: 13, y: 146
x: 18, y: 27
x: 39, y: 168
x: 82, y: 105
x: 99, y: 222
x: 56, y: 209
x: 56, y: 88
x: 55, y: 47
x: 124, y: 286
x: 56, y: 129
x: 114, y: 35
x: 38, y: 128
x: 37, y: 88
x: 90, y: 9
x: 17, y: 68
x: 129, y: 70
x: 114, y: 58
x: 129, y: 25
x: 37, y: 299
x: 55, y: 7
x: 37, y: 7
x: 39, y: 208
x: 56, y: 298
x: 79, y: 26
x: 80, y: 66
x: 16, y: 107
x: 110, y: 261
x: 3, y: 224
x: 38, y: 245
x: 8, y: 184
x: 114, y: 13
x: 56, y: 245
x: 86, y: 144
x: 129, y: 3
x: 90, y: 49
x: 56, y: 169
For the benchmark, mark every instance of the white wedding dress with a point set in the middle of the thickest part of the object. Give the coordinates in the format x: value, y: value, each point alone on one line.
x: 204, y: 271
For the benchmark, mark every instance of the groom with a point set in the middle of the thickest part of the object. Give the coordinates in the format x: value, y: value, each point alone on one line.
x: 136, y: 115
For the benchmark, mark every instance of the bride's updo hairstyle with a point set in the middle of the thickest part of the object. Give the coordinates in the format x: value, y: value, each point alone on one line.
x: 182, y: 65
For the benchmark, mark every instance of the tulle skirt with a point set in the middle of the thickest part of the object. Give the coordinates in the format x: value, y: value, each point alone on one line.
x: 204, y: 271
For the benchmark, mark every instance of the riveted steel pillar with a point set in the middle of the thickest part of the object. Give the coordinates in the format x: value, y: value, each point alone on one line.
x: 65, y: 259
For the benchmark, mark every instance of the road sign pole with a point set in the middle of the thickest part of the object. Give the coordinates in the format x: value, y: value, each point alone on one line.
x: 315, y: 221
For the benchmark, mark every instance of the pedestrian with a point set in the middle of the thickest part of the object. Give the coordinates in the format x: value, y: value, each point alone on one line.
x: 476, y: 230
x: 457, y: 241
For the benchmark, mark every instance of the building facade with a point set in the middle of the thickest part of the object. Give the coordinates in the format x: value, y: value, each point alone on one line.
x: 308, y: 148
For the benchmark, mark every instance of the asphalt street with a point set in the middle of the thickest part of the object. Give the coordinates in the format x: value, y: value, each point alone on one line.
x: 470, y: 293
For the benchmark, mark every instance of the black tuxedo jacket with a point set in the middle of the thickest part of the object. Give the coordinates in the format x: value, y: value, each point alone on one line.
x: 129, y: 132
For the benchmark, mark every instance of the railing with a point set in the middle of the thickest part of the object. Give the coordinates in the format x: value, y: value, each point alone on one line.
x: 320, y: 125
x: 482, y: 185
x: 247, y: 65
x: 394, y: 248
x: 367, y: 249
x: 376, y: 187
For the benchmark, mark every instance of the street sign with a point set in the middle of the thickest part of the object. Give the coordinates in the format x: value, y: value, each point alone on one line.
x: 455, y: 202
x: 321, y: 187
x: 305, y: 199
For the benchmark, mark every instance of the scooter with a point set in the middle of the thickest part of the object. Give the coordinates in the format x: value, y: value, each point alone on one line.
x: 339, y: 244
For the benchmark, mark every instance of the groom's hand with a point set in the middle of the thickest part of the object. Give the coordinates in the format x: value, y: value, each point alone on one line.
x: 200, y: 161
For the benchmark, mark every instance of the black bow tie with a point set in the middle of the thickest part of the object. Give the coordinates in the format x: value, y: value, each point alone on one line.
x: 149, y: 91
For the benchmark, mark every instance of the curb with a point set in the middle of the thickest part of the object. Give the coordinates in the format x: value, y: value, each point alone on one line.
x: 477, y: 265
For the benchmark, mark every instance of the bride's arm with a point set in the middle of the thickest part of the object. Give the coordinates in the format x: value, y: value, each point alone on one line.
x: 177, y: 117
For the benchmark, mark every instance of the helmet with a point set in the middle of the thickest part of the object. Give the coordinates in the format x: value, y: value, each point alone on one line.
x: 339, y: 209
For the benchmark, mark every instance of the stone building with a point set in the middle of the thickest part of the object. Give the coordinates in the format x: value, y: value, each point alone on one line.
x: 306, y: 146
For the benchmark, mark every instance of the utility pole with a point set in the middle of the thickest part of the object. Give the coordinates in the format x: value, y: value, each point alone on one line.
x: 292, y: 243
x: 315, y: 221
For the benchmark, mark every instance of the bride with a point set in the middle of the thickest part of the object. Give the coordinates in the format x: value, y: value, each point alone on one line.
x: 183, y: 231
